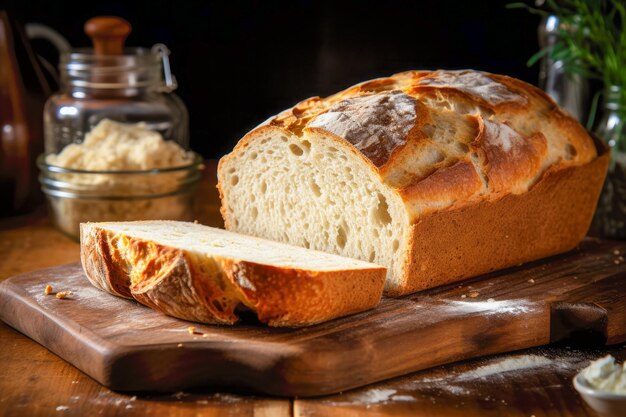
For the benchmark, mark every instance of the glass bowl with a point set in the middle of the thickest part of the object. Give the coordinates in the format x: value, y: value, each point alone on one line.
x: 76, y: 196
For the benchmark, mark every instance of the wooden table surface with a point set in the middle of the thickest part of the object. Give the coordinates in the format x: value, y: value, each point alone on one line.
x: 35, y: 382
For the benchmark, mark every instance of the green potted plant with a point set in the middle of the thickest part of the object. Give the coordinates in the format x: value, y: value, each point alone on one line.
x: 592, y: 43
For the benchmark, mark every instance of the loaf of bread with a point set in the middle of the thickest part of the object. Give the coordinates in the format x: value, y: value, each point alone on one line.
x: 209, y: 275
x: 437, y: 175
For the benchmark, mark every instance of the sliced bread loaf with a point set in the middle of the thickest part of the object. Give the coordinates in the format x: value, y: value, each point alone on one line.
x: 204, y: 274
x: 436, y: 175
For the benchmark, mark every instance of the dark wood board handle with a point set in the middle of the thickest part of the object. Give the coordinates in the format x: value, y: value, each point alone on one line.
x: 596, y: 312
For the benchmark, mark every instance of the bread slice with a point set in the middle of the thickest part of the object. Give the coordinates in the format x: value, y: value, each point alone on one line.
x: 437, y: 175
x: 204, y: 274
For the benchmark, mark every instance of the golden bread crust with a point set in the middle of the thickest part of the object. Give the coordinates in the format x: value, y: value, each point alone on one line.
x: 491, y: 172
x: 375, y: 117
x: 207, y: 289
x: 295, y: 297
x: 553, y: 217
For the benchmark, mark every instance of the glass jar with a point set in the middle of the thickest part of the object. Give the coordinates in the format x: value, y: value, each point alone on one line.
x: 130, y: 88
x: 134, y: 88
x: 77, y: 196
x: 610, y: 218
x: 570, y: 91
x: 612, y: 126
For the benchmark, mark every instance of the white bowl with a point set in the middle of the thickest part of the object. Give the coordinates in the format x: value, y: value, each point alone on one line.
x: 606, y: 404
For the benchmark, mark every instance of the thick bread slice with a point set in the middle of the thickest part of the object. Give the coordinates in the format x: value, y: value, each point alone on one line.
x: 204, y: 274
x: 437, y: 175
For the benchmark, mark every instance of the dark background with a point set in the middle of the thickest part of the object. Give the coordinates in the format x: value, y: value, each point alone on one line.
x: 239, y: 62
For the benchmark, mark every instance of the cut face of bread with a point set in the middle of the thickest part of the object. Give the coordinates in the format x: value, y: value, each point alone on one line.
x: 204, y: 274
x: 315, y: 192
x: 436, y: 175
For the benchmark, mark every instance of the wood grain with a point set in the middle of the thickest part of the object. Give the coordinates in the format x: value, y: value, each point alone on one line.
x: 493, y: 386
x: 22, y: 249
x: 129, y: 347
x: 29, y: 242
x: 35, y: 382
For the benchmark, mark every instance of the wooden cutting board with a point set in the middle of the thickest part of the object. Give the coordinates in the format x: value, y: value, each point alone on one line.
x: 129, y: 347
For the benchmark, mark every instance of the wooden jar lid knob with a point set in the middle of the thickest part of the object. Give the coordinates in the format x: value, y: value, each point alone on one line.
x: 107, y: 34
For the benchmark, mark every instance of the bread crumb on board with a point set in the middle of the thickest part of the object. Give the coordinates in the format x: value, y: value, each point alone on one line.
x: 616, y: 252
x: 60, y: 294
x: 192, y: 331
x: 64, y: 294
x: 473, y: 294
x: 179, y: 345
x: 532, y: 281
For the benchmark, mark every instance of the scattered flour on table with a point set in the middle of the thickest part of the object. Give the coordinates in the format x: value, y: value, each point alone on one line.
x: 515, y: 363
x: 493, y: 370
x: 402, y: 398
x: 180, y: 395
x: 375, y: 396
x: 490, y: 306
x: 456, y: 390
x: 454, y: 383
x: 226, y: 398
x: 110, y: 399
